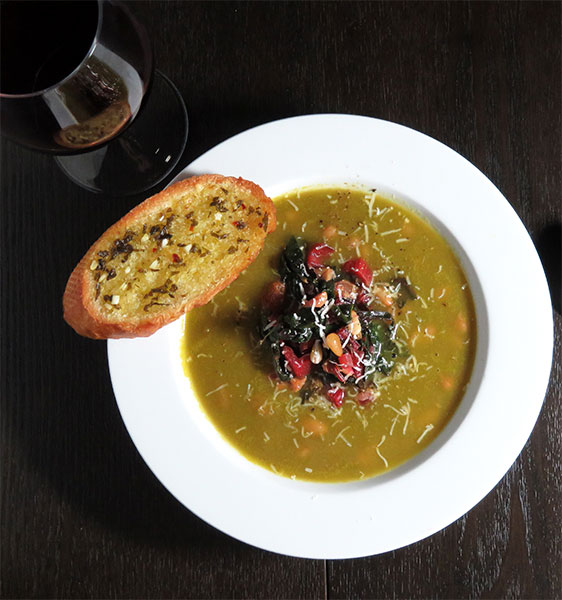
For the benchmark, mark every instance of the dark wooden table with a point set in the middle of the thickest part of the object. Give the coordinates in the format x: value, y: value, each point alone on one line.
x: 82, y: 516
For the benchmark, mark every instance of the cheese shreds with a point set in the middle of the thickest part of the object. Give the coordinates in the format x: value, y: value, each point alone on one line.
x: 293, y: 205
x: 277, y: 392
x: 296, y: 443
x: 266, y: 437
x: 402, y: 240
x: 394, y: 421
x: 404, y: 411
x: 407, y: 420
x: 341, y: 437
x: 308, y: 469
x: 361, y: 418
x: 370, y: 200
x: 427, y: 429
x: 379, y: 452
x: 391, y: 231
x: 240, y: 429
x: 221, y: 387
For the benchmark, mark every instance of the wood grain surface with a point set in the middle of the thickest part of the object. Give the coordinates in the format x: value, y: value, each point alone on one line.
x: 82, y: 515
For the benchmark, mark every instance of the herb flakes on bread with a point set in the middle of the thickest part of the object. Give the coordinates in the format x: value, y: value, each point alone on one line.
x: 171, y: 253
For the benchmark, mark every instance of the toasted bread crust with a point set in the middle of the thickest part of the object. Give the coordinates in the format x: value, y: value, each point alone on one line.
x: 88, y: 314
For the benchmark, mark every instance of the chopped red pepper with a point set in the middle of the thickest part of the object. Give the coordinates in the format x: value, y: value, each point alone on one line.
x: 299, y: 366
x: 317, y: 254
x: 335, y: 396
x: 346, y: 363
x: 359, y: 268
x: 175, y: 258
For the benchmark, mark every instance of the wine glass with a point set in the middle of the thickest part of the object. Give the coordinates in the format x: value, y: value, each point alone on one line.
x: 77, y: 80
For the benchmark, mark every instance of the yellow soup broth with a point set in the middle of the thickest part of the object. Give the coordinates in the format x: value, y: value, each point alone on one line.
x: 270, y: 424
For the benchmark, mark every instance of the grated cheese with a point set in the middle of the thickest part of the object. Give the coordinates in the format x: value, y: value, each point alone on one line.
x: 391, y: 231
x: 341, y: 437
x: 393, y: 424
x: 370, y: 200
x: 221, y: 387
x: 427, y: 429
x: 379, y: 452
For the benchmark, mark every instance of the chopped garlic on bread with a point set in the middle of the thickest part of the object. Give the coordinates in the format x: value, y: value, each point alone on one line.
x: 173, y: 252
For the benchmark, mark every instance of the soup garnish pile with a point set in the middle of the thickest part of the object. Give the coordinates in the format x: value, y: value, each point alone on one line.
x: 345, y: 348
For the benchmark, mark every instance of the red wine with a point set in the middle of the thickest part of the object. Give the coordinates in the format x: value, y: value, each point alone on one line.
x: 73, y: 73
x: 42, y: 42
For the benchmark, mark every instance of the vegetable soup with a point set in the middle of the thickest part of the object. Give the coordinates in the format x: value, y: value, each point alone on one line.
x: 345, y: 348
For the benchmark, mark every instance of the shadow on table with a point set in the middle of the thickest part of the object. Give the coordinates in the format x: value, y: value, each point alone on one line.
x: 74, y: 437
x: 549, y: 248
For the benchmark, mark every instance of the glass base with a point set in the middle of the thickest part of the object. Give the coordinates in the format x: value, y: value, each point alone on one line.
x: 143, y: 154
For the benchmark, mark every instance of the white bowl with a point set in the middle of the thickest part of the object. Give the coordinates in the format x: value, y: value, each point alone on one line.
x: 486, y: 433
